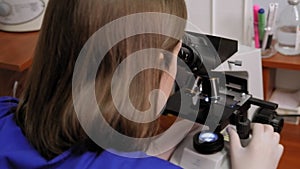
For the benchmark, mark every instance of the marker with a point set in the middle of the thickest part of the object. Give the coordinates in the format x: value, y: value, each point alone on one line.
x: 255, y: 24
x: 261, y: 24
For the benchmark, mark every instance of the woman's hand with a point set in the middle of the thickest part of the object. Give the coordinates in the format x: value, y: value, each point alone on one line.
x: 263, y: 152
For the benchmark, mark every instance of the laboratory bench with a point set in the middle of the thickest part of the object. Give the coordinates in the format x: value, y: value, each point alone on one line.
x: 16, y: 53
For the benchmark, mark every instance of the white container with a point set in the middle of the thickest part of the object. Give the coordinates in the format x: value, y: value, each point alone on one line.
x: 288, y: 30
x: 22, y: 15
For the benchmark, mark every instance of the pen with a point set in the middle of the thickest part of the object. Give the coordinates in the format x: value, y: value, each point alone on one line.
x: 255, y: 24
x: 275, y: 15
x: 273, y: 19
x: 261, y: 24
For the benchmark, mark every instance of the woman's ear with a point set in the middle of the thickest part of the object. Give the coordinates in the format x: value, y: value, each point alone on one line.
x: 173, y: 63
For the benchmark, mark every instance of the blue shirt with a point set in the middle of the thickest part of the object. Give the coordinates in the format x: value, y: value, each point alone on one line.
x: 16, y: 152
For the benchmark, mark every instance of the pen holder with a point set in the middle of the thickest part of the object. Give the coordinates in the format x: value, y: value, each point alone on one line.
x: 266, y: 53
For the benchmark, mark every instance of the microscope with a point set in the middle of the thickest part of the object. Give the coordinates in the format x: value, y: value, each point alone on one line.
x: 219, y: 100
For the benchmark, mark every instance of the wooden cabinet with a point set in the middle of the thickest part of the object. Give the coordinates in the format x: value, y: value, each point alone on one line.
x: 290, y: 135
x: 16, y: 53
x: 278, y: 61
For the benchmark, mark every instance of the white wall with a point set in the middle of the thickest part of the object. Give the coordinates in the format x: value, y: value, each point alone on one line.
x: 287, y: 79
x: 227, y: 18
x: 264, y: 4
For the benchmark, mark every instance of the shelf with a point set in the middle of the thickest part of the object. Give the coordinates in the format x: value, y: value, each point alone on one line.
x: 16, y: 55
x: 17, y: 50
x: 280, y: 61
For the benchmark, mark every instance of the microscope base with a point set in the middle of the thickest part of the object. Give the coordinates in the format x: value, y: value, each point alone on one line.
x: 187, y: 157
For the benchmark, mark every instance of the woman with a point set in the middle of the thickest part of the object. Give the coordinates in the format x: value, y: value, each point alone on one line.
x: 46, y: 130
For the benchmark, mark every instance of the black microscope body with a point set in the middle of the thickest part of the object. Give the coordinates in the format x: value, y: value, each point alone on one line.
x: 219, y: 91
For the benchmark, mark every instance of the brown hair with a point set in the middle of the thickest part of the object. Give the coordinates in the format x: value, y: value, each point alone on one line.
x: 46, y: 113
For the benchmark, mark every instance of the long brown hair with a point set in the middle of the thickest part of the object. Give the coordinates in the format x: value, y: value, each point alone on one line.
x: 46, y: 113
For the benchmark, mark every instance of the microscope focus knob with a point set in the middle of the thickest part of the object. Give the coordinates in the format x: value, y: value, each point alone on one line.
x: 268, y: 116
x: 243, y: 129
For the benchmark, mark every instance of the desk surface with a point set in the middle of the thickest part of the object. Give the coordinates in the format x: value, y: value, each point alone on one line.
x: 290, y: 139
x: 17, y: 50
x: 282, y: 62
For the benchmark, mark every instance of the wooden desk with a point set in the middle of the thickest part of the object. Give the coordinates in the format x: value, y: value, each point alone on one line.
x: 278, y: 61
x: 16, y: 53
x: 290, y: 139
